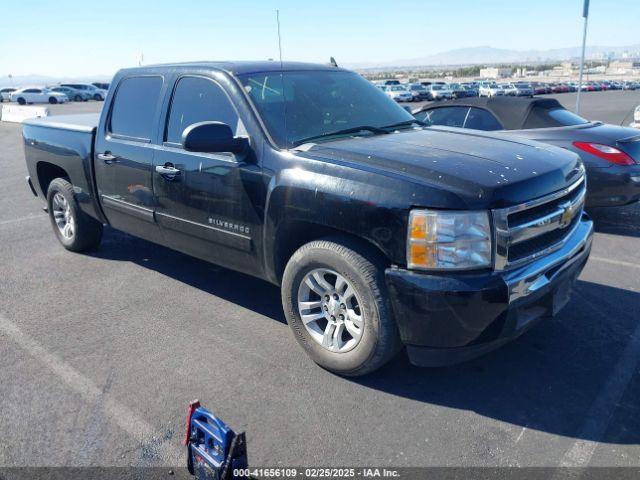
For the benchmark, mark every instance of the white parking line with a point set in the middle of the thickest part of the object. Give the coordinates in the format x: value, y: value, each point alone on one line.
x: 615, y: 262
x: 21, y: 219
x: 125, y: 418
x: 599, y: 415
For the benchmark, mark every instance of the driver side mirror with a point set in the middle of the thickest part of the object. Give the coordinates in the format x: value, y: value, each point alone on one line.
x: 212, y: 137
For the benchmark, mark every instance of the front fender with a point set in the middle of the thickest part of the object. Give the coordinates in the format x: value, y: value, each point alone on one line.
x: 369, y: 207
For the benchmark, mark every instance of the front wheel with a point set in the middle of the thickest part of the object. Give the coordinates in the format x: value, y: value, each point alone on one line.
x: 335, y: 299
x: 53, y: 100
x: 22, y: 101
x: 75, y: 230
x: 97, y: 97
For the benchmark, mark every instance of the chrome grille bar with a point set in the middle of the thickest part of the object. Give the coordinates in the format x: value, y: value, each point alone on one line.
x: 561, y: 216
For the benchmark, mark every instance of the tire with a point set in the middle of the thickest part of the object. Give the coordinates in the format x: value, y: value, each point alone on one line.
x: 22, y: 101
x: 363, y: 270
x: 53, y: 100
x: 86, y: 231
x: 97, y: 97
x: 77, y: 98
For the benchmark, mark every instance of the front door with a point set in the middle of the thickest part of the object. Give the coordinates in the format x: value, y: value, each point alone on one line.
x: 204, y: 201
x: 124, y: 157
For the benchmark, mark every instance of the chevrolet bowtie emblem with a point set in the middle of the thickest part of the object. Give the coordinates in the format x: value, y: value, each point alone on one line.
x: 568, y: 211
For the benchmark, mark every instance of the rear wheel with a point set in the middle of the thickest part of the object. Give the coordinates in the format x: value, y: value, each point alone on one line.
x: 77, y: 98
x: 334, y: 296
x: 75, y: 230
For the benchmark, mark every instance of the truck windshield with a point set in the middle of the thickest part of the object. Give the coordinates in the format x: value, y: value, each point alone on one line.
x: 305, y: 104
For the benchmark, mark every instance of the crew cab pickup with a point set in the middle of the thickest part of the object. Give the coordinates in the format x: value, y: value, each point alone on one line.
x: 380, y: 232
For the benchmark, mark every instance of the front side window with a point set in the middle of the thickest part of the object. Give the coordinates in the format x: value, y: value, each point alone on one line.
x: 198, y: 99
x: 134, y: 107
x: 296, y: 105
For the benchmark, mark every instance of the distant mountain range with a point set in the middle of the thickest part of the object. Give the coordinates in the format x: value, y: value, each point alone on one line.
x: 459, y: 57
x: 490, y: 55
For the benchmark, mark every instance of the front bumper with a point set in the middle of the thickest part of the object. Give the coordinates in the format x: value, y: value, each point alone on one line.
x: 449, y: 318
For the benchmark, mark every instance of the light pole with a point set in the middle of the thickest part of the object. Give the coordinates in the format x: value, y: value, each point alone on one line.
x: 585, y: 14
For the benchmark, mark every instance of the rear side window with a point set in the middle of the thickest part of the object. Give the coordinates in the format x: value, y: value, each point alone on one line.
x: 479, y: 119
x: 447, y: 116
x: 198, y: 99
x: 134, y: 107
x: 552, y: 117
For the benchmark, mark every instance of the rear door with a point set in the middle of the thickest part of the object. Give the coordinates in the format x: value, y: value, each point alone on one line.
x: 206, y: 209
x: 124, y: 156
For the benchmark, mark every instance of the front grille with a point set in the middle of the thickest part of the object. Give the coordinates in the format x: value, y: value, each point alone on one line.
x: 523, y: 249
x: 534, y: 229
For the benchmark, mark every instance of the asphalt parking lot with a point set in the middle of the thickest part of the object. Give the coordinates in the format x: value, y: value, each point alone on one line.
x: 100, y: 354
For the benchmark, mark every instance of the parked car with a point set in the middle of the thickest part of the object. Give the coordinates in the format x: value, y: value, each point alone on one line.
x: 399, y: 93
x: 490, y: 90
x: 611, y: 154
x: 37, y: 95
x: 72, y: 93
x: 471, y: 88
x: 101, y: 85
x: 391, y: 82
x: 558, y: 88
x: 457, y: 90
x: 509, y: 89
x: 379, y: 232
x: 418, y: 92
x: 5, y: 94
x: 540, y: 88
x: 523, y: 90
x: 96, y: 93
x: 636, y: 118
x: 438, y: 91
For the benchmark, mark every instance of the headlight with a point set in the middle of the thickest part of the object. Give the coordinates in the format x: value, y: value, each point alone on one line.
x: 443, y: 240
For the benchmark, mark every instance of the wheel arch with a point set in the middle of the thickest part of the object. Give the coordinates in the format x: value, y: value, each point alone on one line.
x: 47, y: 172
x: 293, y: 234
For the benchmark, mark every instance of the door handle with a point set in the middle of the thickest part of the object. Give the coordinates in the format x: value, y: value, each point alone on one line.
x: 168, y: 170
x: 107, y: 158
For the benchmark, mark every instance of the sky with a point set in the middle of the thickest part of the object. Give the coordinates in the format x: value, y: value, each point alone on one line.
x: 68, y: 38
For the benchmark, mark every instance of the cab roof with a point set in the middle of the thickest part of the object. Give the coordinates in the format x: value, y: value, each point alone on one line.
x: 238, y: 67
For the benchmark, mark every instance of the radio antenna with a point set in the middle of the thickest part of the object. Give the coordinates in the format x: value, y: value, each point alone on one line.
x: 279, y: 37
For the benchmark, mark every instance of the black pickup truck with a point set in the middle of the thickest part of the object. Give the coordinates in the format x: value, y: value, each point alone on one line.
x: 380, y: 232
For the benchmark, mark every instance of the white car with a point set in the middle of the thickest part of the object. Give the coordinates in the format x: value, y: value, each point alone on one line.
x: 438, y: 91
x: 5, y: 94
x: 95, y: 92
x: 399, y: 93
x: 37, y: 95
x: 491, y: 90
x: 636, y: 118
x: 509, y: 89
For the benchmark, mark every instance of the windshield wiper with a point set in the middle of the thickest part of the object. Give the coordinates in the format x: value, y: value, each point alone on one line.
x: 363, y: 128
x: 405, y: 123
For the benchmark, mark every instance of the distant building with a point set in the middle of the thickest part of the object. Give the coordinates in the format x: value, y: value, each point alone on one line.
x: 494, y: 72
x: 623, y: 67
x: 563, y: 70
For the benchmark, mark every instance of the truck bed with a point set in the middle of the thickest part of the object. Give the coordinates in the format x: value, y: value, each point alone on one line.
x: 62, y: 146
x: 83, y: 122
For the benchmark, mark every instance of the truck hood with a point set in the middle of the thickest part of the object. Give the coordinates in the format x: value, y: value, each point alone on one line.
x: 482, y: 169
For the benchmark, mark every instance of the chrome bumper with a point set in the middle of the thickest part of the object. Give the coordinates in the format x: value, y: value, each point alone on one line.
x: 534, y: 276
